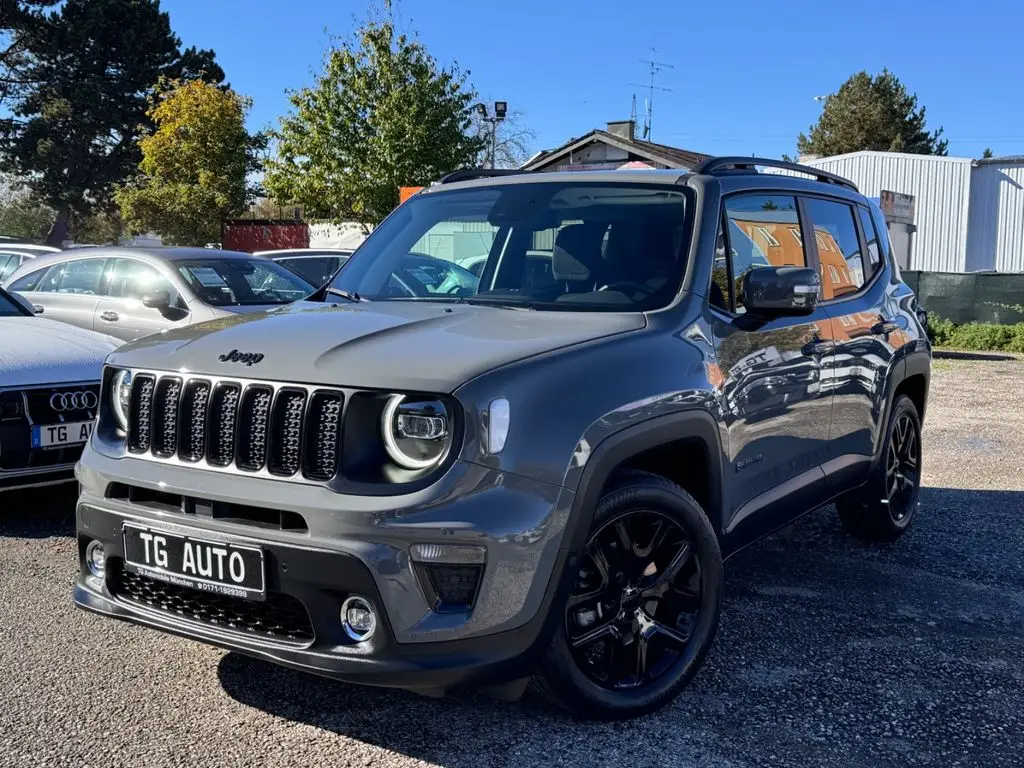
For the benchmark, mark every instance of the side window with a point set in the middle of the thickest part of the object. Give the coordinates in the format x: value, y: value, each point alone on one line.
x: 719, y: 296
x: 27, y: 283
x: 81, y: 277
x: 874, y: 262
x: 131, y: 279
x: 839, y: 258
x: 762, y: 231
x: 8, y: 263
x: 317, y: 270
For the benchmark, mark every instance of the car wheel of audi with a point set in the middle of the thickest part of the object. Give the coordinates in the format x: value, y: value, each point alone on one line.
x: 644, y: 607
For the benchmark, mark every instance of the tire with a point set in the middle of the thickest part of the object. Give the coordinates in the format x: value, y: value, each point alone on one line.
x: 877, y: 511
x: 685, y: 569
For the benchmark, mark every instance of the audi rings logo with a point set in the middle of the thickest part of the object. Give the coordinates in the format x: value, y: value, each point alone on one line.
x: 73, y: 401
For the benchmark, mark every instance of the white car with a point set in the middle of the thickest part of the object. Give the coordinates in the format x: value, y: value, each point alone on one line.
x: 49, y: 394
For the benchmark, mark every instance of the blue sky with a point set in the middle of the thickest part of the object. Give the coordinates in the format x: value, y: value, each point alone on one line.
x: 745, y: 71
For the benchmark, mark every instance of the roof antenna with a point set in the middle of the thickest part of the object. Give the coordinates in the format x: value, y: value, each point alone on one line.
x: 655, y: 67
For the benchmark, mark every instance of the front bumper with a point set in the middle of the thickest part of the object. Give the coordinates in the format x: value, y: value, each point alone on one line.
x: 15, y: 480
x: 354, y: 545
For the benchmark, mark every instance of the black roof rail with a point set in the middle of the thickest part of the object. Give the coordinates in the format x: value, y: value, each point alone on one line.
x: 749, y: 165
x: 465, y: 174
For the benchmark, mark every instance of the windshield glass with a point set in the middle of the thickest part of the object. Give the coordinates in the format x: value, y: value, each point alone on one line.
x: 9, y: 307
x: 572, y: 246
x: 243, y: 282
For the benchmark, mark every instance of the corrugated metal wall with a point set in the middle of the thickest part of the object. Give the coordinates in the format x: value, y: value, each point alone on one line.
x: 942, y: 186
x: 996, y: 236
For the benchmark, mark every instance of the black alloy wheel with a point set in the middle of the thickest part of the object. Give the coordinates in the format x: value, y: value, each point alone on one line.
x: 883, y: 508
x: 902, y: 467
x: 636, y: 601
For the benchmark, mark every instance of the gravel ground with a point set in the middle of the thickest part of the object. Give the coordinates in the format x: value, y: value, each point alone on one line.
x: 830, y: 652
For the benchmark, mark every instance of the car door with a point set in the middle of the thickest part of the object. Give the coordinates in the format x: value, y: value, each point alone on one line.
x: 120, y: 311
x: 70, y: 290
x: 865, y: 332
x: 775, y: 412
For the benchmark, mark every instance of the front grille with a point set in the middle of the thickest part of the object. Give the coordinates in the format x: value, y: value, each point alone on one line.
x: 21, y: 409
x: 280, y: 617
x: 255, y: 427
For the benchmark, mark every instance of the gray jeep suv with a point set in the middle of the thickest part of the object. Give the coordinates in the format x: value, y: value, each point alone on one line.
x: 537, y: 476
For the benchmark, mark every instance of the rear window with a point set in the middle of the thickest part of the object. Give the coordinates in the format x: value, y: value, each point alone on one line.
x: 27, y: 283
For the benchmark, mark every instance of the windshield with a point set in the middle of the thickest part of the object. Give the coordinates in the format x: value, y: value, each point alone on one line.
x: 243, y: 282
x: 9, y: 307
x: 568, y: 246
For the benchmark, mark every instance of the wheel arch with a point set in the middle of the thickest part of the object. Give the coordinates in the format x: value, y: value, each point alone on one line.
x: 644, y: 446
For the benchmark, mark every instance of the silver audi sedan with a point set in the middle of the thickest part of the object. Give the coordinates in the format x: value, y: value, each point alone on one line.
x: 134, y: 292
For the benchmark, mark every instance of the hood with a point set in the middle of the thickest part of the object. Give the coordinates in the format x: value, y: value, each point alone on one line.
x: 34, y: 350
x: 401, y: 345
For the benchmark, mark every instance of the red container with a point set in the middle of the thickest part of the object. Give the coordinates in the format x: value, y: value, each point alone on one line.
x: 263, y: 234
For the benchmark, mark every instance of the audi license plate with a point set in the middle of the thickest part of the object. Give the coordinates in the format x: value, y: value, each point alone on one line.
x: 210, y: 566
x: 58, y: 435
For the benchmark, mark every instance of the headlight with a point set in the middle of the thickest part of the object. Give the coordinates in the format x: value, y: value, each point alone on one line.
x: 417, y: 434
x: 120, y: 396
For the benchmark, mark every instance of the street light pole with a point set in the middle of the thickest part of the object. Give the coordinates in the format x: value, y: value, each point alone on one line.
x: 500, y: 110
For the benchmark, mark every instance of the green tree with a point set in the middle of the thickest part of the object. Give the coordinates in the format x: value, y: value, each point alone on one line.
x: 871, y: 113
x: 194, y: 164
x: 987, y: 153
x: 21, y: 216
x: 381, y: 115
x: 88, y: 69
x: 21, y: 23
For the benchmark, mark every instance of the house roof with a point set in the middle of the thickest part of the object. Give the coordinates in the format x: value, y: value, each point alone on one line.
x: 673, y: 157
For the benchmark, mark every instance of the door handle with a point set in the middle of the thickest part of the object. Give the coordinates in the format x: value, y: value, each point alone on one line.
x: 817, y: 348
x: 110, y: 317
x: 884, y: 328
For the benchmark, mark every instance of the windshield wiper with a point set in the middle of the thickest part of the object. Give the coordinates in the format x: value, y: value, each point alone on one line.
x: 350, y: 295
x: 498, y: 302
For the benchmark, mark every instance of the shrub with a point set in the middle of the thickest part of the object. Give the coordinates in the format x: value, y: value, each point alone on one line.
x: 982, y: 337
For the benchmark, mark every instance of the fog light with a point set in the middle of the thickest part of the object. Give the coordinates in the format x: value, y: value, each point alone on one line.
x: 357, y: 618
x: 95, y: 559
x: 447, y: 553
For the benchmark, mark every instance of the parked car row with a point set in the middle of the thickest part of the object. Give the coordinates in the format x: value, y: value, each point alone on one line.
x: 66, y: 310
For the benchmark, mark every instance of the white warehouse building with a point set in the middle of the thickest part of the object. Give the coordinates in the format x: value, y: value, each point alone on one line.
x: 968, y: 214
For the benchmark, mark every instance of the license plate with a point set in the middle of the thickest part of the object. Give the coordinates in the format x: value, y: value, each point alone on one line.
x: 211, y: 566
x: 57, y: 435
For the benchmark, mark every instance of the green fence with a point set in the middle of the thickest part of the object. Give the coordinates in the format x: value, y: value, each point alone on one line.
x: 984, y: 297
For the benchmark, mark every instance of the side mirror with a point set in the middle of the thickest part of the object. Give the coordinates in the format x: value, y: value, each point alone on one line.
x: 772, y: 291
x: 157, y: 300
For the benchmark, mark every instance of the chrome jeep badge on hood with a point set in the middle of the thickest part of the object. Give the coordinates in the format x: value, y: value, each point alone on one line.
x: 234, y: 356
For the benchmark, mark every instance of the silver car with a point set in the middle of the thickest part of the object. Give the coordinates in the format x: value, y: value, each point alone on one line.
x: 13, y: 255
x: 134, y: 292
